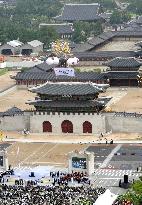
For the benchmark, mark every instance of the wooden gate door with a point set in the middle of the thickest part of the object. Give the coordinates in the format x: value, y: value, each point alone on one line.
x: 47, y: 127
x: 87, y: 127
x: 67, y: 126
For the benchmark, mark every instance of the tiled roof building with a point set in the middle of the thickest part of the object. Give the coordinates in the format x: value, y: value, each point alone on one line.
x: 125, y: 64
x: 64, y: 30
x: 69, y: 97
x: 80, y: 12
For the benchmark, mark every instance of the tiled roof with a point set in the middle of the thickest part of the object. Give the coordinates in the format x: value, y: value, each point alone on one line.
x: 50, y: 76
x: 60, y: 28
x: 101, y: 38
x: 64, y: 29
x: 41, y: 67
x: 64, y: 104
x: 66, y: 89
x: 129, y: 34
x: 135, y: 31
x: 122, y: 75
x: 104, y: 54
x: 82, y: 47
x: 96, y: 41
x: 80, y: 12
x: 12, y: 111
x: 124, y: 63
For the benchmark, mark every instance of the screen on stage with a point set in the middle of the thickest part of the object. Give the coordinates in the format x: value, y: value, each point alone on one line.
x: 1, y: 161
x: 79, y: 162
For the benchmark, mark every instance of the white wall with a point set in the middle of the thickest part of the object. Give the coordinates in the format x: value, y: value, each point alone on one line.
x: 98, y: 122
x: 14, y: 123
x: 123, y: 124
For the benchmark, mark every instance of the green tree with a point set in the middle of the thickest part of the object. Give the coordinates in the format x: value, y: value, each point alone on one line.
x: 79, y: 34
x: 39, y: 7
x: 47, y: 35
x: 135, y: 6
x: 116, y: 17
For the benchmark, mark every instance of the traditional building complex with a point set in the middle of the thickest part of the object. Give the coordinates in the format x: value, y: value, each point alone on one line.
x: 120, y: 72
x: 80, y: 12
x: 42, y: 73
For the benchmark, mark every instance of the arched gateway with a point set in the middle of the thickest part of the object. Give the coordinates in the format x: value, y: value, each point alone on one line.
x: 47, y: 127
x: 67, y: 126
x: 87, y: 127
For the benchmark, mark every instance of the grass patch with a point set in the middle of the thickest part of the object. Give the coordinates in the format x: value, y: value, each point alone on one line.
x: 3, y: 71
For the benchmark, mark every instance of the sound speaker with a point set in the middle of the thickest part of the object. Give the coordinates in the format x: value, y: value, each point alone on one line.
x: 32, y: 174
x: 125, y: 179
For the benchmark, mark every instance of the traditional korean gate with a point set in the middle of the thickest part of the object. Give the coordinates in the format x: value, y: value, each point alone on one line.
x: 47, y: 127
x: 87, y: 127
x: 67, y: 126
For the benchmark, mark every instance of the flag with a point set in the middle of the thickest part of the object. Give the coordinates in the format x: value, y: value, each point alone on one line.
x: 64, y: 71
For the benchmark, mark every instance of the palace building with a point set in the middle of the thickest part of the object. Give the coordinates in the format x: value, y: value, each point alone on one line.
x: 123, y: 72
x: 59, y: 105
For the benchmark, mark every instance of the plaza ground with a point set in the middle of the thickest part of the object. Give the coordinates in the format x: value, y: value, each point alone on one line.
x: 123, y: 99
x: 112, y: 162
x: 6, y: 81
x: 71, y: 138
x: 16, y: 98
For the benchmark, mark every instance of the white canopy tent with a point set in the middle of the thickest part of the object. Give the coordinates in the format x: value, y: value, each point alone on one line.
x: 107, y: 198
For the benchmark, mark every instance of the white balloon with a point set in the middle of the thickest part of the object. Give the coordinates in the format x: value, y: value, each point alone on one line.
x: 56, y: 60
x: 76, y: 60
x: 72, y: 61
x: 49, y: 61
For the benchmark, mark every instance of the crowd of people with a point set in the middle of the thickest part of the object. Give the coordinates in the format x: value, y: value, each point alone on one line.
x: 65, y: 178
x: 64, y: 189
x: 48, y: 195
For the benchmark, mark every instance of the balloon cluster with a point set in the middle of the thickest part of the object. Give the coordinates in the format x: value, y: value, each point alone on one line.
x: 60, y: 48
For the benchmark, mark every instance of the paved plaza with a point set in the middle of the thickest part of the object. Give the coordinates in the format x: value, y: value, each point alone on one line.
x: 112, y: 161
x: 124, y: 161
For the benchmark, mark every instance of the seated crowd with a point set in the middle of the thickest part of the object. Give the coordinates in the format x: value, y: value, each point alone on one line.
x: 47, y: 195
x: 57, y: 193
x: 63, y: 189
